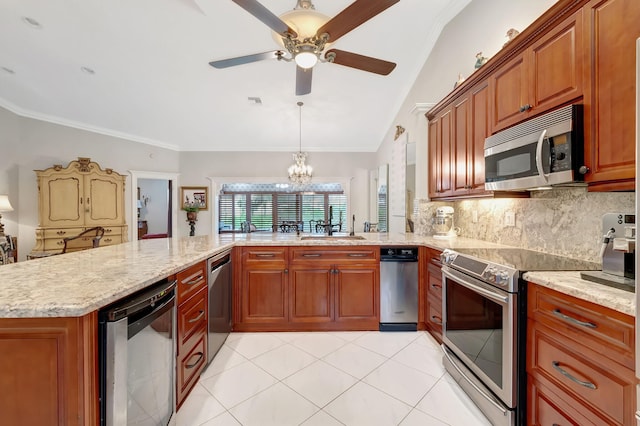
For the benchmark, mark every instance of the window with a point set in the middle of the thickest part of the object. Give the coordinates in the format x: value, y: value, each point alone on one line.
x: 267, y: 206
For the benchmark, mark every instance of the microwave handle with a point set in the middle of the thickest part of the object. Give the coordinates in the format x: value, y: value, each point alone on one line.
x: 539, y: 156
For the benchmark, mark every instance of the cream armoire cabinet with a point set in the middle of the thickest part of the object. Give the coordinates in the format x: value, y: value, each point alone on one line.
x: 75, y: 198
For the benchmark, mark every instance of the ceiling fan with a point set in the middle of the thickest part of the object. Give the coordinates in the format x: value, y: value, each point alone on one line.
x: 304, y: 35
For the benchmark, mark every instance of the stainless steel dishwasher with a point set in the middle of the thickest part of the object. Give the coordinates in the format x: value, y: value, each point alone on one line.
x: 398, y: 288
x: 219, y: 267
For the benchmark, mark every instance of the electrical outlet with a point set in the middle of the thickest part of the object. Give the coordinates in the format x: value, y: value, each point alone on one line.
x: 474, y: 216
x: 509, y: 219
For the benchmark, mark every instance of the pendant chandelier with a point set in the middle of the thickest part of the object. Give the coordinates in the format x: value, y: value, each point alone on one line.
x: 299, y: 172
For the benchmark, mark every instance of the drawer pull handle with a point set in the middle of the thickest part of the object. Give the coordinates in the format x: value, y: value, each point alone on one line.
x: 565, y: 373
x: 436, y: 319
x: 358, y: 255
x: 195, y: 281
x: 196, y: 319
x: 311, y: 255
x: 439, y: 287
x: 107, y: 240
x: 265, y: 255
x: 61, y: 232
x: 559, y: 314
x: 200, y: 356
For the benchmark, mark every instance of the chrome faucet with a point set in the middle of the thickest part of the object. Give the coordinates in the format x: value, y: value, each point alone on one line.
x: 330, y: 225
x: 353, y: 226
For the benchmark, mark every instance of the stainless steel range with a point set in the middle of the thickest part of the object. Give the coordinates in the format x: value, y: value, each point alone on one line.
x: 484, y: 324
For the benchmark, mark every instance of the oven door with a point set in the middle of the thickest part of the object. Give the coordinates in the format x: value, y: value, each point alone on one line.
x: 479, y: 327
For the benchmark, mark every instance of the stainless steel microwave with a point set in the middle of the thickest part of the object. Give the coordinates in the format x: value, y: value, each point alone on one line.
x: 543, y: 151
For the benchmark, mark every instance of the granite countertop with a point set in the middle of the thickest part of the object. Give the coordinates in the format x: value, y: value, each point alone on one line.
x: 570, y: 283
x: 81, y: 282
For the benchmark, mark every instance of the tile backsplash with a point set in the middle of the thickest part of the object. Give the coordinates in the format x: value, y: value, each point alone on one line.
x: 564, y: 221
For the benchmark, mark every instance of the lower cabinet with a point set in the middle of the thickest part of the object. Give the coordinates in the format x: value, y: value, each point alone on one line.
x: 308, y: 288
x: 49, y: 371
x: 433, y: 315
x: 192, y: 319
x: 580, y: 362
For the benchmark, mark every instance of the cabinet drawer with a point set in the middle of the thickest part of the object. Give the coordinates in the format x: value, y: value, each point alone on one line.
x: 435, y: 281
x: 190, y: 364
x: 265, y: 255
x: 192, y: 315
x: 585, y: 375
x: 547, y: 408
x: 603, y: 329
x: 109, y: 240
x: 434, y: 257
x: 319, y: 254
x: 59, y: 233
x: 191, y: 280
x: 112, y: 230
x: 434, y: 317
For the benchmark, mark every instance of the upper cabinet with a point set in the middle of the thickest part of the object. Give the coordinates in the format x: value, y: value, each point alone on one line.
x: 546, y: 75
x: 610, y: 97
x: 579, y: 51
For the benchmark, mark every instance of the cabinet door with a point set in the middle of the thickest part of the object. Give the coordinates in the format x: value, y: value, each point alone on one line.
x: 509, y: 93
x: 61, y: 200
x: 440, y: 136
x: 556, y: 65
x: 264, y: 295
x: 459, y: 141
x: 610, y: 109
x: 311, y: 294
x: 103, y: 199
x: 49, y: 371
x: 479, y: 130
x: 357, y: 296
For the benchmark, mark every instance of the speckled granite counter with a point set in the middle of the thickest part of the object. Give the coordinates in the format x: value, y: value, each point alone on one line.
x: 570, y: 283
x: 81, y: 282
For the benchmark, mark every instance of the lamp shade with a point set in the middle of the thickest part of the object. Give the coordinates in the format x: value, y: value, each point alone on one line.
x: 5, y: 205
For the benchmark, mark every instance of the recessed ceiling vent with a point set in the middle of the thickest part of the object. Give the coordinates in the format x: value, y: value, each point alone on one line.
x: 254, y: 100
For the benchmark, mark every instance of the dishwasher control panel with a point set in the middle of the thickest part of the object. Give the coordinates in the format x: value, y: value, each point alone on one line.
x: 398, y: 253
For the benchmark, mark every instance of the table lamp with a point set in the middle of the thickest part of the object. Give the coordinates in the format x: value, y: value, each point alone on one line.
x: 5, y: 206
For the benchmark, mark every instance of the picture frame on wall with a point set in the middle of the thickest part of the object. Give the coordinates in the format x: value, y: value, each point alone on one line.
x: 195, y: 196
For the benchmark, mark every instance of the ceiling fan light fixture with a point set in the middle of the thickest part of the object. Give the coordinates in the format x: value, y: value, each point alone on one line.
x: 306, y: 59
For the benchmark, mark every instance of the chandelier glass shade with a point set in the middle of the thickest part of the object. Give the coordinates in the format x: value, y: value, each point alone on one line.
x: 300, y: 173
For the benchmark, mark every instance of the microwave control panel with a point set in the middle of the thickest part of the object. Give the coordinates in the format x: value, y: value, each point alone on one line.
x: 560, y: 147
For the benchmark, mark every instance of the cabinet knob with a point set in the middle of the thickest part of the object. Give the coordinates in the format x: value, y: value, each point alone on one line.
x: 286, y: 271
x: 525, y: 108
x: 583, y: 170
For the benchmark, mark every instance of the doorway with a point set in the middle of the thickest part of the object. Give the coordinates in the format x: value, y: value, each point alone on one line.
x: 157, y: 195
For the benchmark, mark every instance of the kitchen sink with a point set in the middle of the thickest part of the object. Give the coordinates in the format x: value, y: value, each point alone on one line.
x: 332, y: 237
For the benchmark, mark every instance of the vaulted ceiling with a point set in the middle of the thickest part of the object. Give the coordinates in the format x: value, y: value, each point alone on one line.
x: 139, y: 69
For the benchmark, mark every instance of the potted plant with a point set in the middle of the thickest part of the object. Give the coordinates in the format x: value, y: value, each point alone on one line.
x: 192, y: 209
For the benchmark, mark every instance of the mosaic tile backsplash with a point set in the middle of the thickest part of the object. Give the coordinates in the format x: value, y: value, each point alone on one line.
x: 563, y: 221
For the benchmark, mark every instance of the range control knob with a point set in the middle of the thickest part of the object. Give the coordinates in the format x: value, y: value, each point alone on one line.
x: 502, y: 277
x: 447, y: 257
x: 490, y: 274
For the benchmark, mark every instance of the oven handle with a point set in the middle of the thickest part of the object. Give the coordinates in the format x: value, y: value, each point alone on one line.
x: 488, y: 397
x: 539, y: 156
x: 466, y: 281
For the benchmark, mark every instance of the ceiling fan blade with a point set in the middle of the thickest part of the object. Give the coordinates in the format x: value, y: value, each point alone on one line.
x: 361, y: 62
x: 231, y: 62
x: 266, y: 16
x: 359, y: 12
x: 303, y: 81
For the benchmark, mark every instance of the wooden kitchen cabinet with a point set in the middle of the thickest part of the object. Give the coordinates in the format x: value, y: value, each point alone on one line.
x: 308, y: 288
x: 440, y: 130
x: 264, y: 286
x: 49, y: 371
x: 610, y: 95
x: 77, y: 197
x: 433, y: 315
x: 192, y: 320
x: 547, y: 74
x: 580, y: 361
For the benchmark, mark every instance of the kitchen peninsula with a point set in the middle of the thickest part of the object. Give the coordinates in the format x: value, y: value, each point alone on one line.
x: 48, y: 309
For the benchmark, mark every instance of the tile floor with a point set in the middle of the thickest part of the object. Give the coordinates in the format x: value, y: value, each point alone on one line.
x: 326, y: 379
